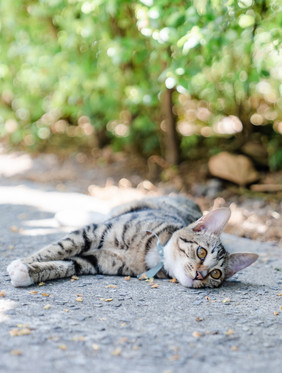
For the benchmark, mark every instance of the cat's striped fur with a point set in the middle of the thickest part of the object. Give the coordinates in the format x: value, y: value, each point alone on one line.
x: 125, y: 244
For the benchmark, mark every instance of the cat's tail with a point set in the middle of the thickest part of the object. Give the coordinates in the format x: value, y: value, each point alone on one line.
x: 77, y: 218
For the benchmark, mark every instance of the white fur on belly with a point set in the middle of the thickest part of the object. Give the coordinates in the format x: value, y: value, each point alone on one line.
x: 19, y: 275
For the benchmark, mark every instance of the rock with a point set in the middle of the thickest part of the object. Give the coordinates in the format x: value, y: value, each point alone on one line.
x: 257, y: 152
x: 236, y: 168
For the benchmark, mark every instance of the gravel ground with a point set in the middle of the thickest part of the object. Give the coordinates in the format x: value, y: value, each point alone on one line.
x: 108, y: 324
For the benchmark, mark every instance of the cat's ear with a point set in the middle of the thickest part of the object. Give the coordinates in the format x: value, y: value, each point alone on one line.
x: 238, y: 261
x: 213, y: 222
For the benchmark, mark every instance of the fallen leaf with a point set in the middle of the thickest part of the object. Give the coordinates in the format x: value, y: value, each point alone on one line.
x: 123, y: 324
x: 95, y: 347
x: 226, y: 300
x: 111, y: 286
x: 47, y: 307
x: 127, y: 278
x: 79, y: 299
x: 19, y: 332
x: 173, y: 280
x: 11, y: 247
x: 14, y: 229
x: 78, y: 338
x: 174, y: 357
x: 198, y: 319
x: 196, y: 334
x: 154, y: 286
x: 275, y: 313
x: 116, y: 352
x: 45, y: 295
x: 66, y: 310
x: 74, y: 278
x: 16, y: 352
x: 234, y: 348
x: 41, y: 284
x: 63, y: 347
x: 2, y: 293
x: 108, y: 299
x: 229, y: 332
x: 143, y: 277
x: 33, y: 292
x: 280, y: 307
x: 280, y: 295
x: 122, y: 340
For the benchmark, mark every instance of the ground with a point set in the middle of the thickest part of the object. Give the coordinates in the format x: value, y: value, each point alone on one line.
x: 114, y: 324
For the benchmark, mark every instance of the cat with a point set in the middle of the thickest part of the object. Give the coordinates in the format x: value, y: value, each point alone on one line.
x: 128, y: 243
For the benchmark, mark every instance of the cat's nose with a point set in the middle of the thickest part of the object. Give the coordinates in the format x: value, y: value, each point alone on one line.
x: 200, y: 275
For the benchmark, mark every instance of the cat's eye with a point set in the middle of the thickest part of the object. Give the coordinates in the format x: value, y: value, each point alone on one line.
x: 216, y: 274
x: 201, y: 253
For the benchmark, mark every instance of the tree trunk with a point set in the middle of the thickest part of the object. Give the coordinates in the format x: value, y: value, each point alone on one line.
x: 171, y: 139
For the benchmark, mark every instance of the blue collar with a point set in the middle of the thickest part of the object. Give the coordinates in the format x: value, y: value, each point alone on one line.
x: 153, y: 271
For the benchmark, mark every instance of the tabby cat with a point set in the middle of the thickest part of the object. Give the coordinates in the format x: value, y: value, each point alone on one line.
x: 126, y: 244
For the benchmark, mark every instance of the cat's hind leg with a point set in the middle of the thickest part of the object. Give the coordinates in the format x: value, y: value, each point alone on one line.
x: 24, y: 274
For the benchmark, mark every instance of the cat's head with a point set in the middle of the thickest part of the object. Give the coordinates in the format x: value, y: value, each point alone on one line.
x: 196, y: 257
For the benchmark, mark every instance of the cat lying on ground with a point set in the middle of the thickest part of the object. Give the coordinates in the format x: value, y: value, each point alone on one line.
x: 130, y: 242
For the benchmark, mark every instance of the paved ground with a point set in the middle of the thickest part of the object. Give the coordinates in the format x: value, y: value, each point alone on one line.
x: 108, y: 324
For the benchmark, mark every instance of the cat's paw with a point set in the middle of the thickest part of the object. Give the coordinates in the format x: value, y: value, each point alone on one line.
x: 19, y: 275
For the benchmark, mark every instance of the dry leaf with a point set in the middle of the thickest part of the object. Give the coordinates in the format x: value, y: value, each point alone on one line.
x: 173, y: 280
x: 280, y: 307
x: 18, y: 332
x: 116, y: 352
x: 226, y: 300
x: 41, y: 283
x: 74, y: 278
x: 45, y: 295
x: 198, y: 319
x: 14, y: 229
x: 79, y: 299
x: 123, y: 324
x: 95, y: 347
x: 229, y: 332
x: 108, y: 299
x: 63, y: 347
x: 111, y: 286
x: 16, y: 352
x: 280, y: 295
x: 122, y: 340
x: 11, y: 247
x: 33, y: 292
x: 154, y: 286
x: 47, y: 307
x: 66, y: 310
x: 79, y: 338
x: 275, y: 313
x: 196, y: 334
x: 2, y: 293
x: 234, y: 348
x: 127, y: 278
x: 143, y: 277
x: 174, y: 357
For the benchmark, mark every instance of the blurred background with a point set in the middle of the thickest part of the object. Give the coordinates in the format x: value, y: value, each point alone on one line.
x: 179, y: 95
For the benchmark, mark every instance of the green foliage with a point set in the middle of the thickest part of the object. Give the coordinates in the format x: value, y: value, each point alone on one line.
x: 66, y: 64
